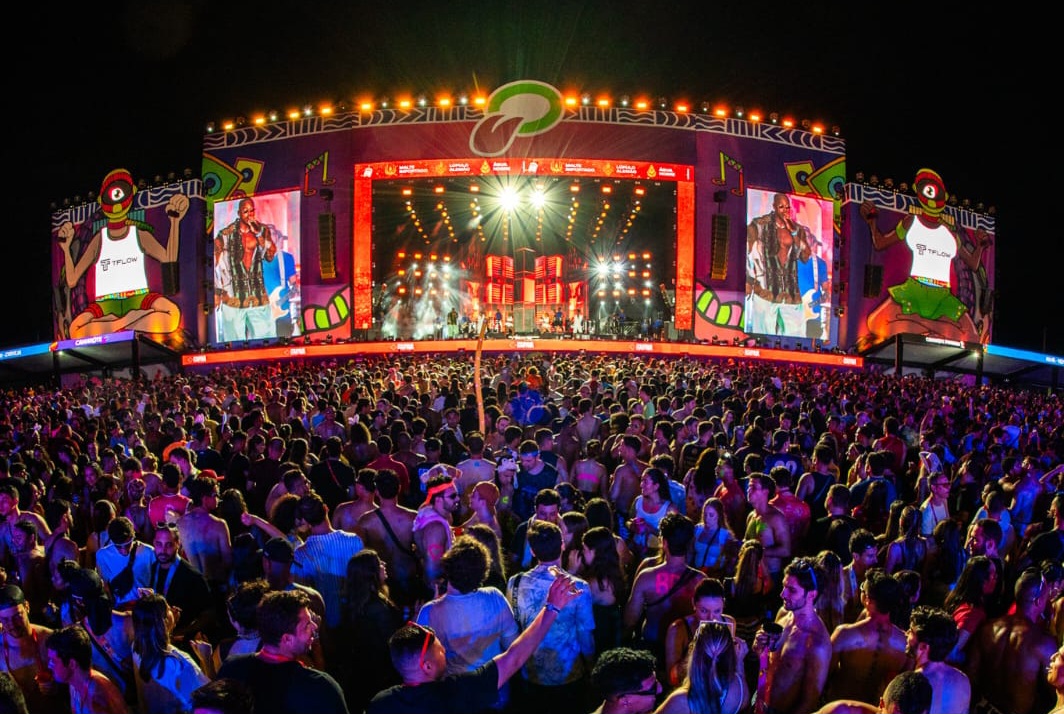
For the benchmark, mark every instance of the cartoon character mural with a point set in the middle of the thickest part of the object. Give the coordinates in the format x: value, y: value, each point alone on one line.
x: 926, y: 302
x: 117, y: 292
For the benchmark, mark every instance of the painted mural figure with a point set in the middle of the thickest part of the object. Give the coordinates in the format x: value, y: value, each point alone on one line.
x: 240, y: 250
x: 122, y: 298
x: 925, y: 303
x: 774, y: 243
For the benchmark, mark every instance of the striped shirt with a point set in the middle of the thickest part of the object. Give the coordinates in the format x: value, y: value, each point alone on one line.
x: 321, y: 562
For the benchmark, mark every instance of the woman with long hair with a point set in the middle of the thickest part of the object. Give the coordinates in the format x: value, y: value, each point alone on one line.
x: 484, y: 533
x: 715, y: 546
x: 831, y: 595
x: 649, y: 507
x: 707, y: 603
x: 573, y: 525
x: 102, y: 513
x: 369, y: 618
x: 606, y: 580
x: 715, y: 683
x: 872, y: 512
x: 699, y: 482
x: 589, y: 474
x: 599, y: 512
x: 908, y: 550
x: 749, y: 591
x: 967, y: 602
x: 165, y: 675
x: 944, y: 565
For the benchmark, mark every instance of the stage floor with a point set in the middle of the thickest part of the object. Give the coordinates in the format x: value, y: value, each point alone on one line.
x: 533, y: 344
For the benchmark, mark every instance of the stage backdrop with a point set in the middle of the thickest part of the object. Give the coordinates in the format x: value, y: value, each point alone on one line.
x: 547, y: 216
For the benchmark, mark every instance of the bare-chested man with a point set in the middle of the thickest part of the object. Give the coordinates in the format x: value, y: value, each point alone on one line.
x: 624, y: 483
x: 867, y: 654
x: 433, y: 534
x: 205, y: 537
x: 473, y: 470
x: 393, y: 542
x: 767, y: 524
x: 795, y: 666
x: 908, y: 693
x: 24, y: 654
x: 665, y: 592
x: 347, y: 513
x: 1008, y: 656
x: 931, y: 636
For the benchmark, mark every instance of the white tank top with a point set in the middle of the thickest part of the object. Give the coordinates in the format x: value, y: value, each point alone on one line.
x: 933, y: 252
x: 120, y: 269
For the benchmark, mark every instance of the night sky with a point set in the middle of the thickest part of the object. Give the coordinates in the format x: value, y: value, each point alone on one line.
x: 134, y: 85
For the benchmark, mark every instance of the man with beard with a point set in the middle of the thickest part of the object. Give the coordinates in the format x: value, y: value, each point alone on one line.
x: 25, y: 654
x: 794, y: 665
x: 931, y: 636
x: 184, y: 587
x: 432, y: 526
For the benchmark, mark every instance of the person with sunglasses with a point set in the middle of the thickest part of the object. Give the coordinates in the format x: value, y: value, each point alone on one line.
x: 421, y: 660
x: 794, y: 664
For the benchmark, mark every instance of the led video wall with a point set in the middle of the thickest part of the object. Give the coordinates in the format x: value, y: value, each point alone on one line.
x: 553, y: 216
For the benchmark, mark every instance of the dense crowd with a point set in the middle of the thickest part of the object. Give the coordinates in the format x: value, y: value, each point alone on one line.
x: 593, y: 533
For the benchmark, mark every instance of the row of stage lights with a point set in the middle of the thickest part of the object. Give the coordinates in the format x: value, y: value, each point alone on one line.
x: 586, y: 100
x: 903, y: 187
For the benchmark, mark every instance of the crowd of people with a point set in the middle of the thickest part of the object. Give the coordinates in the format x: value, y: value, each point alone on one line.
x: 564, y: 533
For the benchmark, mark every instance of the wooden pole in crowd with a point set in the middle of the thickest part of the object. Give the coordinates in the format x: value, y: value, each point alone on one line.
x: 476, y: 374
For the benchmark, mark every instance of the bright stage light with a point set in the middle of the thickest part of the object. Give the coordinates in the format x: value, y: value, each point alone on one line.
x: 508, y: 199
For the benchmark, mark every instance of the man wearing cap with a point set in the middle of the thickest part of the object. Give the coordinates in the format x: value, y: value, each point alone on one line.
x: 124, y: 551
x: 25, y: 654
x: 277, y: 557
x: 433, y: 532
x: 110, y: 631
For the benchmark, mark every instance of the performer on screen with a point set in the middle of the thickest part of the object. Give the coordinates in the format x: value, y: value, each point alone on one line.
x: 122, y: 298
x: 925, y: 304
x: 813, y: 284
x: 246, y: 312
x: 773, y: 244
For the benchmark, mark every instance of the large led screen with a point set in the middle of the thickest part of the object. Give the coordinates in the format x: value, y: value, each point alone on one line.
x: 256, y: 267
x: 789, y: 257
